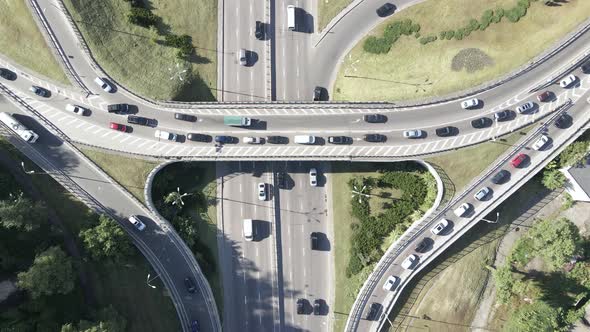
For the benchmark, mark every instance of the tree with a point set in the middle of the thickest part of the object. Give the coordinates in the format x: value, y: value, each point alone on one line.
x: 556, y: 241
x: 504, y: 281
x: 51, y: 273
x: 536, y: 317
x: 553, y: 179
x: 574, y: 153
x: 108, y: 320
x: 185, y: 227
x: 20, y: 212
x: 107, y: 240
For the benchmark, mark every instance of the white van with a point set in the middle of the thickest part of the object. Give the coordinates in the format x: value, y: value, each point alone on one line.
x: 304, y: 139
x: 291, y: 17
x: 248, y: 230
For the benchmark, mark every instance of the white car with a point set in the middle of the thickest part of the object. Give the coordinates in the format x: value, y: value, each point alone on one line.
x: 390, y: 283
x: 415, y: 133
x: 75, y: 109
x: 165, y: 135
x: 461, y: 210
x: 482, y: 193
x: 134, y: 220
x: 103, y: 84
x: 564, y: 83
x: 525, y: 107
x: 540, y: 143
x: 262, y: 191
x: 409, y: 262
x: 438, y: 228
x: 252, y: 140
x: 313, y: 177
x: 242, y: 57
x: 469, y: 103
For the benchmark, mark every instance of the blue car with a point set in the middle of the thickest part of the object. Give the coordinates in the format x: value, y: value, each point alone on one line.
x: 224, y: 139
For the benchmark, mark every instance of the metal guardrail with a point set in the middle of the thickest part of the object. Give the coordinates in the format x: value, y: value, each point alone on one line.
x: 410, y: 235
x: 56, y: 46
x: 201, y: 280
x: 185, y: 251
x: 552, y: 80
x: 583, y: 28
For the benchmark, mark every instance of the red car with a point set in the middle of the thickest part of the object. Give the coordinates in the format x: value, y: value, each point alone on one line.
x: 545, y: 96
x: 118, y: 127
x: 517, y: 161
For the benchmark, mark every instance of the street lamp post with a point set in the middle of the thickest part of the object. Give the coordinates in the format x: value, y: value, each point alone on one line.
x: 148, y: 280
x: 31, y: 172
x: 493, y: 221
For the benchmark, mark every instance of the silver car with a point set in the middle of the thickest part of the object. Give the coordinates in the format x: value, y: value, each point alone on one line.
x: 415, y: 133
x: 482, y: 193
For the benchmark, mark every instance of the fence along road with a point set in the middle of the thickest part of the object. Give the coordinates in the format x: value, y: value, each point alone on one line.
x: 404, y: 245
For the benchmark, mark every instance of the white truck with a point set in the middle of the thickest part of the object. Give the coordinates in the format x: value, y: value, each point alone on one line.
x: 22, y: 131
x: 161, y: 134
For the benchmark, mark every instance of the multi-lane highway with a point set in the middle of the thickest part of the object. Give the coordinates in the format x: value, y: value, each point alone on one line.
x: 159, y: 243
x: 534, y: 157
x: 272, y: 272
x: 262, y: 284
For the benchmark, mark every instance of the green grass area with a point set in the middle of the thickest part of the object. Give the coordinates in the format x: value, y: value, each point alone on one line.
x: 144, y: 308
x: 130, y: 55
x: 131, y: 173
x: 348, y: 288
x: 328, y: 9
x: 413, y: 71
x: 448, y: 291
x: 464, y: 165
x: 21, y: 40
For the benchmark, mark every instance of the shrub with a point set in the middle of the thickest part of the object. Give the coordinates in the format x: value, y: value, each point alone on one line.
x: 415, y: 28
x: 428, y: 39
x: 496, y: 19
x: 406, y: 27
x: 442, y: 35
x: 459, y: 34
x: 473, y: 24
x: 417, y: 35
x: 484, y: 25
x: 142, y: 17
x: 524, y: 3
x: 450, y: 34
x: 376, y: 45
x: 499, y: 12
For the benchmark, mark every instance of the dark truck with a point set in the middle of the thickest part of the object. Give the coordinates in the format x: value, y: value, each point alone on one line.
x: 118, y: 108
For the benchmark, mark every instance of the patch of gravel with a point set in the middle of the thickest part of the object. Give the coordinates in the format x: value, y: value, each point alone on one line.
x: 472, y: 60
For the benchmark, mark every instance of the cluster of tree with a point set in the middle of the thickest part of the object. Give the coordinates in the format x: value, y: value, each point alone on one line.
x: 106, y: 320
x: 140, y: 14
x: 573, y: 154
x: 369, y: 232
x: 106, y: 240
x: 544, y: 300
x: 381, y: 45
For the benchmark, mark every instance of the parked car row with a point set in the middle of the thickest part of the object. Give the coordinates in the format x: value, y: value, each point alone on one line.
x: 303, y: 307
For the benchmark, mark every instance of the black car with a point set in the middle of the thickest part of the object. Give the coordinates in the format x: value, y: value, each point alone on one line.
x: 375, y: 118
x: 500, y: 177
x: 423, y: 245
x: 281, y: 180
x: 320, y: 94
x: 300, y: 306
x: 563, y: 121
x: 7, y: 74
x: 140, y: 120
x: 339, y: 139
x: 224, y: 139
x: 39, y: 91
x: 445, y: 131
x: 374, y: 311
x: 315, y: 245
x: 586, y: 67
x: 373, y: 138
x: 185, y: 117
x: 277, y: 139
x: 317, y: 307
x: 189, y: 284
x: 502, y: 115
x: 198, y: 137
x: 386, y: 10
x: 118, y: 108
x: 481, y: 123
x: 259, y: 32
